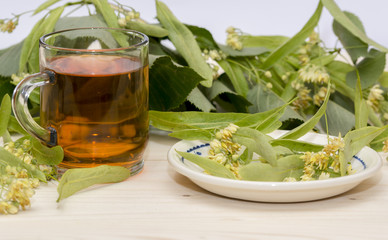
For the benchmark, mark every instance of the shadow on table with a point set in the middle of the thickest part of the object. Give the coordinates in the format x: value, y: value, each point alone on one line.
x: 363, y: 191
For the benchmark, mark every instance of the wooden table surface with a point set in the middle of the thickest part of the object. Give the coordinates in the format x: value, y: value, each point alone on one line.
x: 159, y: 203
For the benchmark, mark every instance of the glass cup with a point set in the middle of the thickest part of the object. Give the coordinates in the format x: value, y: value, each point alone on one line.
x: 93, y: 96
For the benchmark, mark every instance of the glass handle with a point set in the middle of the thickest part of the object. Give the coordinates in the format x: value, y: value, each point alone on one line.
x: 20, y: 106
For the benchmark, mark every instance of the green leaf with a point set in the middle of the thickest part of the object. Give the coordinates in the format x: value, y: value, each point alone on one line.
x: 310, y: 124
x: 193, y: 134
x: 236, y: 76
x: 31, y: 43
x: 339, y: 119
x: 151, y: 30
x: 45, y: 5
x: 360, y: 108
x: 269, y: 42
x: 9, y: 60
x: 295, y: 145
x: 5, y: 113
x: 369, y: 69
x: 170, y: 85
x: 293, y: 43
x: 378, y: 142
x: 14, y: 126
x: 203, y: 37
x: 178, y: 121
x: 8, y: 158
x: 210, y: 166
x: 262, y: 145
x: 323, y: 60
x: 184, y: 42
x: 289, y: 166
x: 357, y: 139
x: 218, y: 88
x: 264, y: 99
x: 79, y: 22
x: 199, y: 100
x: 353, y: 45
x: 245, y: 52
x: 76, y: 179
x: 383, y: 80
x: 344, y: 20
x: 107, y: 12
x: 46, y: 155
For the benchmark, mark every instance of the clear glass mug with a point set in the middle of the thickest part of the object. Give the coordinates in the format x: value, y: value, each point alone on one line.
x: 93, y: 96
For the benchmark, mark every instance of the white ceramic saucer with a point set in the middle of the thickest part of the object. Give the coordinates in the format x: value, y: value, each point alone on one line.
x: 366, y: 163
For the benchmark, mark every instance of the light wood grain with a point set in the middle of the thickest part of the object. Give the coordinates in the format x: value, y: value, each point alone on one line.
x: 162, y: 204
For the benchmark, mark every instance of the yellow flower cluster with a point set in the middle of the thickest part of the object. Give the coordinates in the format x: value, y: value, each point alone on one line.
x: 319, y: 97
x: 223, y: 150
x: 233, y: 38
x: 16, y: 186
x: 16, y: 189
x: 375, y: 97
x: 129, y: 16
x: 16, y: 78
x: 312, y: 73
x: 319, y: 165
x: 306, y: 49
x: 303, y: 100
x: 8, y: 26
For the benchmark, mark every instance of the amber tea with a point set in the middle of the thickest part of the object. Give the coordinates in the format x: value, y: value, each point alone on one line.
x: 99, y: 109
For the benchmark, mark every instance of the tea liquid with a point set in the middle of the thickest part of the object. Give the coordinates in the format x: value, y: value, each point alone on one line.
x: 99, y: 108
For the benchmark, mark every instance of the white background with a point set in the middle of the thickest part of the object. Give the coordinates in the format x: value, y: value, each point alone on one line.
x: 256, y: 17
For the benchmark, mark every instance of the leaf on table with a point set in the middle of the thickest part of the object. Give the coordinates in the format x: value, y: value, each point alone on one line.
x: 9, y: 60
x: 290, y: 166
x: 369, y: 70
x: 212, y: 167
x: 46, y: 155
x: 5, y: 113
x: 77, y: 179
x: 269, y: 42
x: 8, y: 158
x: 344, y: 20
x: 184, y: 41
x: 170, y: 84
x: 151, y: 30
x: 352, y: 44
x: 293, y: 43
x: 199, y: 100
